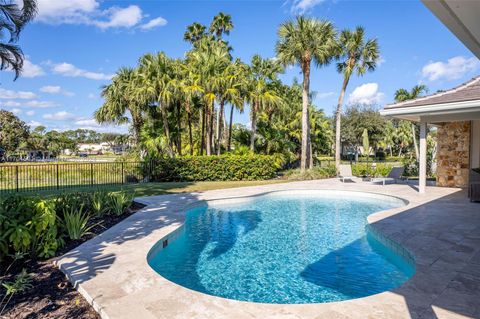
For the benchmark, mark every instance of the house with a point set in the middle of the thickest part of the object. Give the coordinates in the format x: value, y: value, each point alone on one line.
x: 455, y: 112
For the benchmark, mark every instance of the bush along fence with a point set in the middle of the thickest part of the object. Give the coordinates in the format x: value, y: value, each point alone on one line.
x: 34, y: 177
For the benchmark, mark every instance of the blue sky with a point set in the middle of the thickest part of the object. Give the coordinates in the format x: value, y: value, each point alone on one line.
x: 73, y: 48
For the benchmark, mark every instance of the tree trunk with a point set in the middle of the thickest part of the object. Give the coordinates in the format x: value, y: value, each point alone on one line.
x: 212, y: 127
x: 202, y: 143
x: 179, y: 137
x: 220, y: 127
x: 190, y: 135
x: 209, y: 130
x: 310, y: 153
x: 414, y: 134
x: 305, y: 121
x: 254, y: 126
x: 166, y: 129
x: 338, y: 123
x: 230, y: 125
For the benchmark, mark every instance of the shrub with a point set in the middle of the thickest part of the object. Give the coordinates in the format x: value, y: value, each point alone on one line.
x: 367, y: 169
x: 215, y: 168
x: 100, y: 203
x: 77, y: 223
x: 119, y: 201
x: 314, y: 173
x: 28, y: 225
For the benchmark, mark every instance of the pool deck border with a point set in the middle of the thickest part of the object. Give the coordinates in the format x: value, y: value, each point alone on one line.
x: 441, y: 229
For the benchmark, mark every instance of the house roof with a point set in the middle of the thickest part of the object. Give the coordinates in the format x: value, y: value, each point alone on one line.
x: 469, y: 91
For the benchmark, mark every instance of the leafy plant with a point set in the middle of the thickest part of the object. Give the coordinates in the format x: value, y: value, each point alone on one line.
x: 77, y: 223
x: 311, y: 174
x: 21, y: 283
x: 99, y: 203
x: 119, y: 201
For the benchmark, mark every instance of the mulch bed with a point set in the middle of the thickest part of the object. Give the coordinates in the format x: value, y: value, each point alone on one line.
x: 52, y: 295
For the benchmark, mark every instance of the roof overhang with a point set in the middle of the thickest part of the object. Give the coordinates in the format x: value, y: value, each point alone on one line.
x: 461, y: 17
x: 436, y: 113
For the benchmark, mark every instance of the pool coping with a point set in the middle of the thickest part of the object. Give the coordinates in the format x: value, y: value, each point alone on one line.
x: 127, y: 285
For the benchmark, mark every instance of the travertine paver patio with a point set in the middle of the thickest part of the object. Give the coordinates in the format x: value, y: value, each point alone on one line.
x: 440, y: 228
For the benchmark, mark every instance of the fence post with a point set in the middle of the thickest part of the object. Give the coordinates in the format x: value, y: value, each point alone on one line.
x: 58, y: 178
x: 16, y: 178
x: 91, y: 174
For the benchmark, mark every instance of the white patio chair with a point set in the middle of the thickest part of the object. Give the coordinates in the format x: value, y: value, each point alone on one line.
x: 345, y: 172
x: 395, y: 173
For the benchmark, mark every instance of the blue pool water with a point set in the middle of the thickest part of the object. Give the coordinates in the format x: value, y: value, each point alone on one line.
x: 283, y: 248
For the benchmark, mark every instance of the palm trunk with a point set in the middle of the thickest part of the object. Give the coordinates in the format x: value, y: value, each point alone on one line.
x: 254, y: 126
x: 190, y: 134
x: 179, y: 137
x: 305, y: 122
x: 310, y: 153
x: 338, y: 123
x: 166, y: 129
x: 414, y: 134
x: 203, y: 118
x: 230, y: 125
x: 220, y: 126
x: 208, y: 130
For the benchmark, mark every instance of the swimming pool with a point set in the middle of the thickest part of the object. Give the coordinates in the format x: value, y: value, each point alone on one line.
x: 290, y: 247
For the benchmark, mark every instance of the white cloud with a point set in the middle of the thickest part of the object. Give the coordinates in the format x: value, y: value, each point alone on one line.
x: 31, y: 70
x: 16, y: 111
x: 11, y: 104
x: 34, y: 124
x: 121, y: 17
x: 157, y: 22
x: 88, y: 12
x: 366, y: 94
x: 91, y: 96
x: 40, y: 104
x: 302, y: 6
x: 53, y: 89
x: 30, y: 113
x: 59, y: 116
x: 91, y: 124
x: 452, y: 69
x: 9, y: 94
x: 67, y: 69
x: 381, y: 61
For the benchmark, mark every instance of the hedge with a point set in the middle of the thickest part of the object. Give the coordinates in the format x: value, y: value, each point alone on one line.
x: 366, y: 169
x: 214, y: 168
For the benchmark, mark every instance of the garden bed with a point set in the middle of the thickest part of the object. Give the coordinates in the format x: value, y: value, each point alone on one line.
x: 52, y: 295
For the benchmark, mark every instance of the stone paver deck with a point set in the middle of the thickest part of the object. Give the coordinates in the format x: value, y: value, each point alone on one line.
x: 440, y: 228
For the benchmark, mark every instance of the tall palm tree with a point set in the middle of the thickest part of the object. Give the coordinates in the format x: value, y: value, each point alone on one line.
x: 301, y: 42
x: 13, y: 19
x: 221, y: 24
x: 402, y: 95
x: 194, y: 32
x: 156, y: 85
x: 119, y: 99
x: 356, y: 56
x: 260, y: 90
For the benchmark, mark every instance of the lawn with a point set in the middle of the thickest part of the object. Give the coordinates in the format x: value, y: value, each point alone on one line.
x: 150, y: 189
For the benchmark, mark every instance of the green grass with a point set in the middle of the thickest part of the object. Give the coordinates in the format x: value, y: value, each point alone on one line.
x: 150, y: 189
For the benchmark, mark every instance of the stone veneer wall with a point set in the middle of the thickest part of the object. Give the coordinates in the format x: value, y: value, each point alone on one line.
x: 453, y: 154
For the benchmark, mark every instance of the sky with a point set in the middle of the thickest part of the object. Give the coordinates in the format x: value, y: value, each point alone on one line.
x: 74, y: 47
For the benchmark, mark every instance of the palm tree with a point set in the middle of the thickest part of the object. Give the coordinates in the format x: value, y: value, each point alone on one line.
x: 156, y: 86
x: 356, y: 55
x: 402, y: 95
x: 194, y: 32
x: 221, y: 24
x: 301, y: 42
x: 260, y: 90
x: 12, y: 20
x: 119, y: 99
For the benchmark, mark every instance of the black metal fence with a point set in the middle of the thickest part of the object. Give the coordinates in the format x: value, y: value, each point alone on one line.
x: 32, y: 177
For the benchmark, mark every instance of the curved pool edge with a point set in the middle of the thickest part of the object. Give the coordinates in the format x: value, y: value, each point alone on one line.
x: 384, y: 240
x: 127, y: 287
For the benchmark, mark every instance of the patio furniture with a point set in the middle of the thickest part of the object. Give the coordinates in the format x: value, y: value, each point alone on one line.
x: 395, y: 173
x: 345, y: 172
